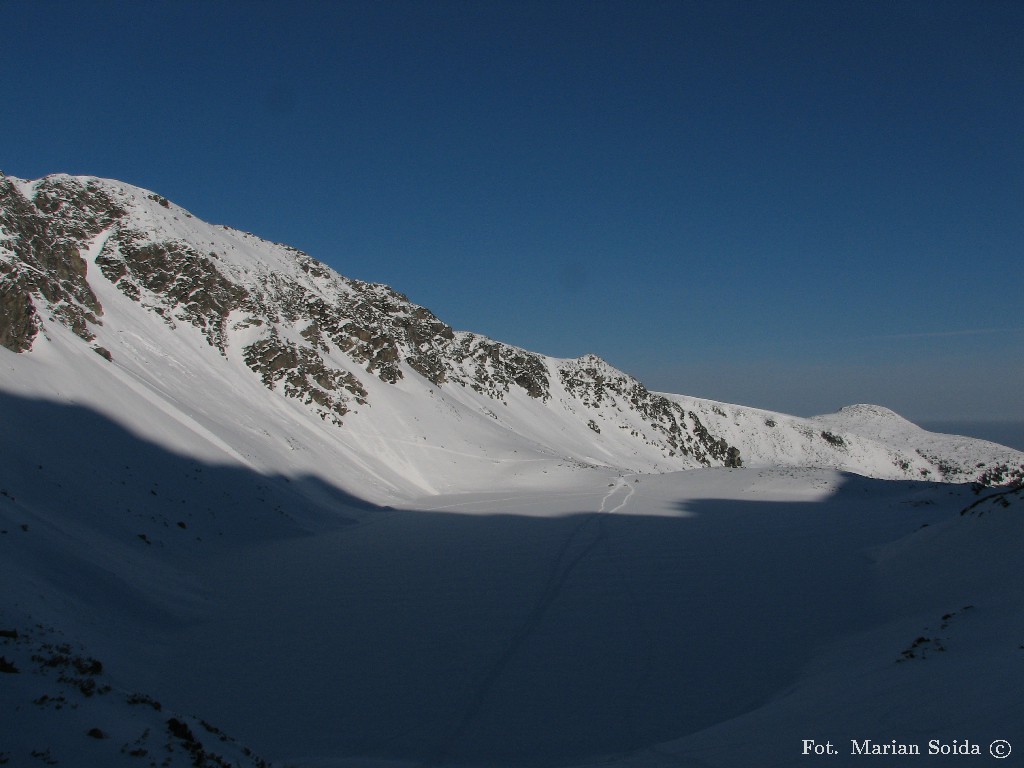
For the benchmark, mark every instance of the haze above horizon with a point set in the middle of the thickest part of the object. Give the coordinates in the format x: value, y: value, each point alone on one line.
x: 792, y: 206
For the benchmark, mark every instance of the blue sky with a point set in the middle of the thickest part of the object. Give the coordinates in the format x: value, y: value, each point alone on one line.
x: 792, y: 205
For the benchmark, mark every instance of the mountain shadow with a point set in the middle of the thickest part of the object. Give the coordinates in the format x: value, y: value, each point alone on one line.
x: 425, y: 636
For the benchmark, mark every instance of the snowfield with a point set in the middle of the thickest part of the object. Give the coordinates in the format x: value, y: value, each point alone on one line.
x: 514, y: 564
x: 707, y: 617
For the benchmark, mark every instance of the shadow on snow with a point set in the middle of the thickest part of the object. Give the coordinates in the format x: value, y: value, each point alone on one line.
x: 431, y: 637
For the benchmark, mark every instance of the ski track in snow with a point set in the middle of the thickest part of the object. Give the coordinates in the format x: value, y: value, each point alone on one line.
x: 635, y: 709
x: 587, y: 535
x: 617, y: 486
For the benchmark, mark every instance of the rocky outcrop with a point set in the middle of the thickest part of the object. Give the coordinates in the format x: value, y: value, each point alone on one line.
x: 305, y: 375
x: 677, y: 431
x: 18, y: 322
x: 41, y: 260
x: 492, y: 368
x: 173, y: 279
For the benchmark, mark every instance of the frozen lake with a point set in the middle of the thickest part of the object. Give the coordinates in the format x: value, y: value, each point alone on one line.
x: 538, y: 629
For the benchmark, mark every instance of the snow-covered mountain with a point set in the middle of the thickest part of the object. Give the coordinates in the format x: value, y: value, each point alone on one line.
x: 213, y: 340
x: 242, y: 494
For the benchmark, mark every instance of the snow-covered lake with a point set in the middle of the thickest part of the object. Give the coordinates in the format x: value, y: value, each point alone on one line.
x: 571, y: 624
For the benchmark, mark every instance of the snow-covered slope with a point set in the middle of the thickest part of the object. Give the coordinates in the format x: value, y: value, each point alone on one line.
x: 867, y: 439
x: 241, y: 494
x: 228, y: 347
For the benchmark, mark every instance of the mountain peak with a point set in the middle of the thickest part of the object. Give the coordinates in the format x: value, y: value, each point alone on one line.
x: 869, y: 411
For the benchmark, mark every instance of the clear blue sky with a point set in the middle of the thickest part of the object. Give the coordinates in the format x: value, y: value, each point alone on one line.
x: 793, y: 205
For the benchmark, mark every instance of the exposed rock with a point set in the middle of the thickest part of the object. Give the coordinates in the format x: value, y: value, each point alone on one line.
x: 305, y: 375
x: 493, y: 368
x: 677, y: 432
x: 41, y: 256
x: 18, y: 322
x: 174, y: 277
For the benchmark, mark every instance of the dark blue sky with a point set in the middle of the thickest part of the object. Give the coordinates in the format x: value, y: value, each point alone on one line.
x: 793, y: 205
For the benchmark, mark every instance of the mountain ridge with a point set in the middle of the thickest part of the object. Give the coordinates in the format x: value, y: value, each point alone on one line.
x: 116, y: 267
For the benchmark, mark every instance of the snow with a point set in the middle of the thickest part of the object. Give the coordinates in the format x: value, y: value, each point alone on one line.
x: 449, y: 579
x: 718, y: 615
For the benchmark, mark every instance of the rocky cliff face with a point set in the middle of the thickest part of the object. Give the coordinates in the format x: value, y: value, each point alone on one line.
x: 43, y: 238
